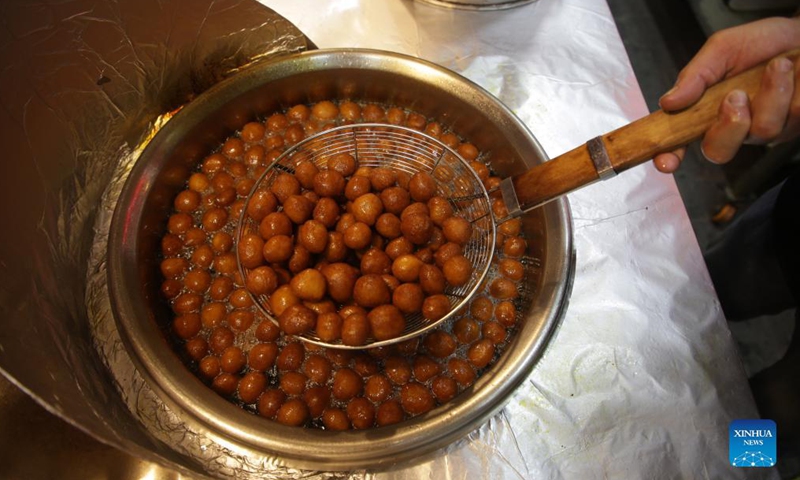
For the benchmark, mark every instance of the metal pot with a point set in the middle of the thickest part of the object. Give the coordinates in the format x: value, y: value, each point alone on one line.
x: 144, y: 205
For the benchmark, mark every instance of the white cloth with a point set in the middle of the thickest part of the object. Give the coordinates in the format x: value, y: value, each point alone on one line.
x: 643, y: 377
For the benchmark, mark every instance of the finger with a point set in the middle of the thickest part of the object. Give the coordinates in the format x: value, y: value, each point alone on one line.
x: 792, y: 128
x: 770, y: 106
x: 723, y: 139
x: 670, y: 161
x: 729, y: 52
x: 710, y: 65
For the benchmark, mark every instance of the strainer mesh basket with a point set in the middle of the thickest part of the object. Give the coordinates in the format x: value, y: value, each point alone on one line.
x: 403, y: 150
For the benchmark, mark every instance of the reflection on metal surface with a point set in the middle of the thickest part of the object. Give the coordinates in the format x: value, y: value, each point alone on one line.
x: 82, y: 81
x: 38, y: 445
x: 479, y: 4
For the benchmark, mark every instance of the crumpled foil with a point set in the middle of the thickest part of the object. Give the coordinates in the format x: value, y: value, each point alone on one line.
x: 643, y: 377
x: 641, y: 380
x: 82, y: 83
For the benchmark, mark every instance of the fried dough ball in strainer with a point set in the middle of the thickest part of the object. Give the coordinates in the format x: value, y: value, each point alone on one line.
x: 278, y: 249
x: 297, y: 320
x: 388, y: 225
x: 406, y: 268
x: 357, y: 236
x: 275, y: 223
x: 284, y: 186
x: 344, y: 163
x: 329, y: 327
x: 422, y: 187
x: 386, y: 321
x: 313, y: 235
x: 357, y: 186
x: 355, y: 329
x: 439, y: 210
x: 375, y: 261
x: 395, y: 199
x: 457, y: 270
x: 398, y: 247
x: 309, y: 285
x: 305, y: 171
x: 416, y: 208
x: 457, y: 230
x: 262, y: 202
x: 417, y: 228
x: 431, y: 279
x: 329, y: 183
x: 282, y: 298
x: 326, y: 212
x: 445, y: 252
x: 250, y: 251
x: 408, y: 298
x: 298, y: 208
x: 371, y: 291
x: 367, y: 208
x: 382, y: 178
x: 435, y: 307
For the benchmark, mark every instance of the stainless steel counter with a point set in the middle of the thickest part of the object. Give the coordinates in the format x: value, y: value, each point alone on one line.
x: 35, y: 444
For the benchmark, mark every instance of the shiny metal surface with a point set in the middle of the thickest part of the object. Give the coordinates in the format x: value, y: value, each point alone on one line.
x: 38, y: 445
x: 599, y: 156
x: 82, y: 81
x: 355, y: 74
x: 479, y: 4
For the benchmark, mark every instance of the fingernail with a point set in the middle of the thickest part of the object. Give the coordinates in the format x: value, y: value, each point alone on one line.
x: 782, y: 65
x: 737, y: 98
x: 671, y: 90
x: 705, y: 155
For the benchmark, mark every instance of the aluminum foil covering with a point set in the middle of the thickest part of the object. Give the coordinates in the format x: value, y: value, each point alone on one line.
x: 82, y: 82
x: 643, y: 377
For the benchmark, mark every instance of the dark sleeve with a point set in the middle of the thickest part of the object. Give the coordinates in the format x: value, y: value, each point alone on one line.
x: 787, y: 231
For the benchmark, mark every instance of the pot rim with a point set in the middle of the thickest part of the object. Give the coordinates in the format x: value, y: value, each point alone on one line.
x: 203, y: 409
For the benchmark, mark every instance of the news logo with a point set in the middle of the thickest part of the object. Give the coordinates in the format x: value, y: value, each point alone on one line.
x: 752, y: 443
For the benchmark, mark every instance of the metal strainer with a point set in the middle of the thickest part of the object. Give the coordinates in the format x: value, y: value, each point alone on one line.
x: 403, y: 150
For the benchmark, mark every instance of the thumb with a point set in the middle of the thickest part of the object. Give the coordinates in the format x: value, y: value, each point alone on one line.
x: 686, y: 91
x: 708, y: 67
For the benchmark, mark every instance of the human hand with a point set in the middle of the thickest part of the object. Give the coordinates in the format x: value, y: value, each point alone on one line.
x: 772, y: 115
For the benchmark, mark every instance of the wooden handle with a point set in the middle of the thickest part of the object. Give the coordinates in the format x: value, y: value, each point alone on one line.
x: 634, y: 143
